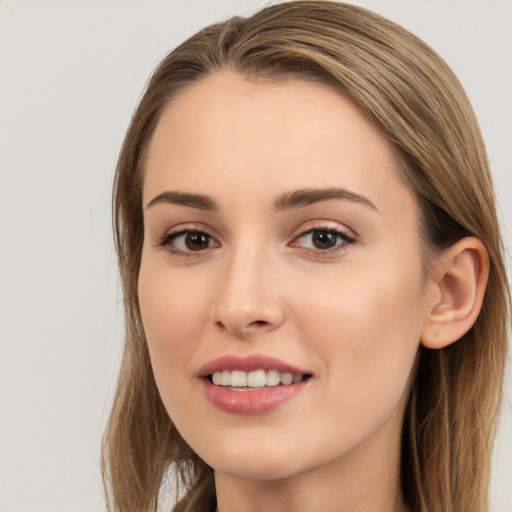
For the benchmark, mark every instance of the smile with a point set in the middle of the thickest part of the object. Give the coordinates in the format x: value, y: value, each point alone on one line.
x: 239, y: 380
x: 253, y: 384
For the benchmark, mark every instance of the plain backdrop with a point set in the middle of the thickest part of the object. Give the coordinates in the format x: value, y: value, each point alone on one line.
x: 71, y: 73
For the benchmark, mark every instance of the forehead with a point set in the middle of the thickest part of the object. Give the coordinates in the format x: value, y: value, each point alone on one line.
x: 253, y: 135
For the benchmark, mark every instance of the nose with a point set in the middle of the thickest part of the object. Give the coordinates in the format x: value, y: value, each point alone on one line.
x: 248, y: 301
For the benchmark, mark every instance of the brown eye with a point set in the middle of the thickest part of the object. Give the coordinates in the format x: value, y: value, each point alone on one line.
x: 196, y: 241
x: 323, y: 239
x: 187, y: 241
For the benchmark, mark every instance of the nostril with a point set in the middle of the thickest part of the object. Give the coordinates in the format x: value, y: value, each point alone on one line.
x: 245, y: 320
x: 241, y: 329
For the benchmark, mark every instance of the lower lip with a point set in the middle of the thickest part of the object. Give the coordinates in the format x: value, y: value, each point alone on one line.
x: 258, y: 401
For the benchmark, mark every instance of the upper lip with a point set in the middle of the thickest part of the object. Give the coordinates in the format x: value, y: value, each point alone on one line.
x: 248, y: 364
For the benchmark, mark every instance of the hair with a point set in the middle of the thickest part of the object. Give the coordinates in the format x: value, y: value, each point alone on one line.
x: 416, y: 101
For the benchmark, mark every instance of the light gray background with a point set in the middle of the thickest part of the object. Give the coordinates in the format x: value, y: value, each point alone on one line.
x: 71, y: 73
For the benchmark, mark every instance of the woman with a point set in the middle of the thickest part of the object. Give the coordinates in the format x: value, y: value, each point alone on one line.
x: 316, y: 300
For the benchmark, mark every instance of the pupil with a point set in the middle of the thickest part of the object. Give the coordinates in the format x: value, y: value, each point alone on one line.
x: 196, y: 241
x: 324, y: 239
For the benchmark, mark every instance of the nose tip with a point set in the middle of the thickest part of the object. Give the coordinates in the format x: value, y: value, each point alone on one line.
x: 248, y: 301
x: 243, y: 322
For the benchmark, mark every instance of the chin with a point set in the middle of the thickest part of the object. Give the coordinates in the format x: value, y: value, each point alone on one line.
x: 257, y: 470
x: 253, y: 457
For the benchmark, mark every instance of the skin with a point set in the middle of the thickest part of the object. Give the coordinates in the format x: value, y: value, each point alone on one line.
x: 352, y: 316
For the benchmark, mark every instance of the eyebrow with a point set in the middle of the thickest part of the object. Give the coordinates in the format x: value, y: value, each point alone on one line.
x: 286, y: 201
x: 198, y: 201
x: 308, y: 196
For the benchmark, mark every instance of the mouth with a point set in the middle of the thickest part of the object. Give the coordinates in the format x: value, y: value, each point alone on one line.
x: 251, y: 385
x: 239, y: 380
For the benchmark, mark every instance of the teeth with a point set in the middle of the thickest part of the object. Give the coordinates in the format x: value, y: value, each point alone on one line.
x: 286, y: 378
x: 226, y: 378
x: 254, y: 379
x: 273, y: 378
x: 238, y: 379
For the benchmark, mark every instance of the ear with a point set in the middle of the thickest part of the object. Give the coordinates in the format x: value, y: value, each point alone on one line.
x: 459, y: 280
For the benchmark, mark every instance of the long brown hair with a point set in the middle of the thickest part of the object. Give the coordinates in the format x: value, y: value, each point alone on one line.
x: 418, y: 104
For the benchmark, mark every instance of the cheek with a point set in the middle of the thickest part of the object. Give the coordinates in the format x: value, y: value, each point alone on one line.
x: 366, y: 326
x: 173, y: 317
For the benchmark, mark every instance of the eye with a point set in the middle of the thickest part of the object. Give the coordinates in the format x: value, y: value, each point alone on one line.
x: 186, y: 241
x: 323, y: 239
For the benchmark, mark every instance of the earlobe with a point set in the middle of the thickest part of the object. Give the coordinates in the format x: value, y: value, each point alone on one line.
x: 458, y: 288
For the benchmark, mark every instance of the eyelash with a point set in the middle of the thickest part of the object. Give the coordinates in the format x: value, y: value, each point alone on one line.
x: 346, y: 239
x: 343, y: 239
x: 167, y: 240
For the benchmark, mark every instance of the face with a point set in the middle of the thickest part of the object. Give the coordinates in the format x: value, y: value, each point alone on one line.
x: 281, y: 285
